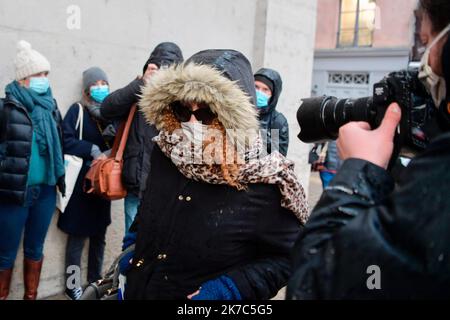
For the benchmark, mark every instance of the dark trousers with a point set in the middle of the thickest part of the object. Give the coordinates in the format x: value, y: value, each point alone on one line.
x: 74, y: 249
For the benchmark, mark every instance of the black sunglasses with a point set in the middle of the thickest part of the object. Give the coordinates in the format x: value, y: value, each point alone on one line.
x: 183, y: 112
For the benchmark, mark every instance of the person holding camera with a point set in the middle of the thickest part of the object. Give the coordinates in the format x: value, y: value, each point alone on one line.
x: 366, y: 239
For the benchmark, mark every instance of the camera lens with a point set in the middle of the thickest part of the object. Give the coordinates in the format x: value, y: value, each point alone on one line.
x: 321, y: 117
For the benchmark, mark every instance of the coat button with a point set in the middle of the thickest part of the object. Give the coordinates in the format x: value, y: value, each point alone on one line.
x: 181, y: 198
x: 140, y: 263
x: 188, y: 199
x: 166, y: 278
x: 162, y: 256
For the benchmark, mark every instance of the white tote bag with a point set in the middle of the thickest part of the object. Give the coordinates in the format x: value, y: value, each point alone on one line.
x: 72, y: 165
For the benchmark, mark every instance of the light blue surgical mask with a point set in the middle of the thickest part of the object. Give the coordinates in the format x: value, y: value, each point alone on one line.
x: 40, y: 85
x: 262, y: 99
x: 99, y: 93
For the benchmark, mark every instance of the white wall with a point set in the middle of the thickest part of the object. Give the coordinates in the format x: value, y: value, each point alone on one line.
x: 288, y: 47
x: 118, y: 36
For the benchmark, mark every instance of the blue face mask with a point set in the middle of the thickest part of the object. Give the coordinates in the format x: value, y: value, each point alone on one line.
x: 99, y: 93
x: 40, y: 85
x: 262, y: 99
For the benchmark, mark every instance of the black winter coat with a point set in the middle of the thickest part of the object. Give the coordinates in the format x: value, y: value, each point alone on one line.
x: 360, y: 221
x: 16, y: 133
x: 139, y: 146
x: 190, y: 232
x: 86, y: 214
x: 270, y: 118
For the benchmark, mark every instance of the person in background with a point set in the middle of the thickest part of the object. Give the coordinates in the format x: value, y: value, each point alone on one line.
x: 268, y: 86
x: 328, y: 162
x: 139, y: 147
x: 31, y: 166
x: 87, y: 216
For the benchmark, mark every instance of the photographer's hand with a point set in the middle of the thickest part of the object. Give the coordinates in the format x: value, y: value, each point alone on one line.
x: 357, y: 140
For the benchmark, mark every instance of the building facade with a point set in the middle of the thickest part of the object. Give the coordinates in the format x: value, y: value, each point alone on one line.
x: 358, y: 42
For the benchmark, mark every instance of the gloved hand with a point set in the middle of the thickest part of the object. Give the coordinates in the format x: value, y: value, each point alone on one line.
x: 128, y: 240
x: 222, y: 288
x: 126, y: 262
x: 61, y: 183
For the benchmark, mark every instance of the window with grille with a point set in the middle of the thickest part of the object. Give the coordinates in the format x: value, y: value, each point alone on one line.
x: 356, y: 23
x: 349, y: 78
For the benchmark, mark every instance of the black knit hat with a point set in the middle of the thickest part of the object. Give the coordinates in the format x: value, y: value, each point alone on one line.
x: 265, y: 80
x: 165, y: 54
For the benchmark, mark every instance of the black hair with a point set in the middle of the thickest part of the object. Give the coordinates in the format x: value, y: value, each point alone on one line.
x: 438, y: 11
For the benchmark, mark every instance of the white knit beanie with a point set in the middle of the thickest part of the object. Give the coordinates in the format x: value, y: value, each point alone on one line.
x: 29, y: 61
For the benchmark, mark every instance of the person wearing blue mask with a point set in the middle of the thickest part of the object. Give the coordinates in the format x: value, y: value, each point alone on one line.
x: 31, y: 167
x: 87, y: 216
x: 268, y: 85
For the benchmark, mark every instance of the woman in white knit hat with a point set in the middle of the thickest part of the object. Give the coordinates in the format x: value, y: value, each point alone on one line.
x: 31, y: 166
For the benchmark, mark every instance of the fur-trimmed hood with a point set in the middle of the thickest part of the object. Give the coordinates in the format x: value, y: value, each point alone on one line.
x: 209, y: 81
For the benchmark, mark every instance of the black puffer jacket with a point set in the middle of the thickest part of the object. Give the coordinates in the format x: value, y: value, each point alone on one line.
x: 189, y: 232
x: 270, y: 118
x: 16, y: 133
x: 360, y: 222
x: 117, y: 106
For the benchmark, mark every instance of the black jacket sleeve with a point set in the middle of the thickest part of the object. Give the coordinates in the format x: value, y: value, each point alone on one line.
x: 361, y: 222
x: 280, y: 122
x: 72, y: 144
x: 275, y: 237
x: 284, y: 136
x: 117, y: 105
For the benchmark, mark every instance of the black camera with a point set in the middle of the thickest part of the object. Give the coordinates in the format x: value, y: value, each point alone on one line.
x: 321, y: 117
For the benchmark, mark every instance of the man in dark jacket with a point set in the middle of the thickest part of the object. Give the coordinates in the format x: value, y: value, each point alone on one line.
x: 268, y: 89
x: 366, y: 240
x: 139, y: 146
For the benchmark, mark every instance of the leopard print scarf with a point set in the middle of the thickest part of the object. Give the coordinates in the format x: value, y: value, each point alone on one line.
x: 270, y: 169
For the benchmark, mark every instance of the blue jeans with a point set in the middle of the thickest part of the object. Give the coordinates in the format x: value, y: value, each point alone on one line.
x: 326, y: 178
x: 32, y: 219
x: 131, y: 207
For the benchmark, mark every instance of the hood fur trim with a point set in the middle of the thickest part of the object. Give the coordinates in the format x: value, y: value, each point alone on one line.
x: 200, y: 83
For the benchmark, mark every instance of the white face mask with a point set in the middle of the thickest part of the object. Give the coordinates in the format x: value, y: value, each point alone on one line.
x: 434, y: 84
x: 194, y: 131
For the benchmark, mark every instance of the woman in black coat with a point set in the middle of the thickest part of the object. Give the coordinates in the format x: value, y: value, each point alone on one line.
x: 225, y: 227
x: 86, y: 215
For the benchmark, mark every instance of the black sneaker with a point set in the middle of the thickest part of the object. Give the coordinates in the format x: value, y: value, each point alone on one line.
x: 74, y: 294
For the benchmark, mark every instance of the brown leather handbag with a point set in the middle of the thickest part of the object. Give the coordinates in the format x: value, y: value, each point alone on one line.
x: 104, y: 178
